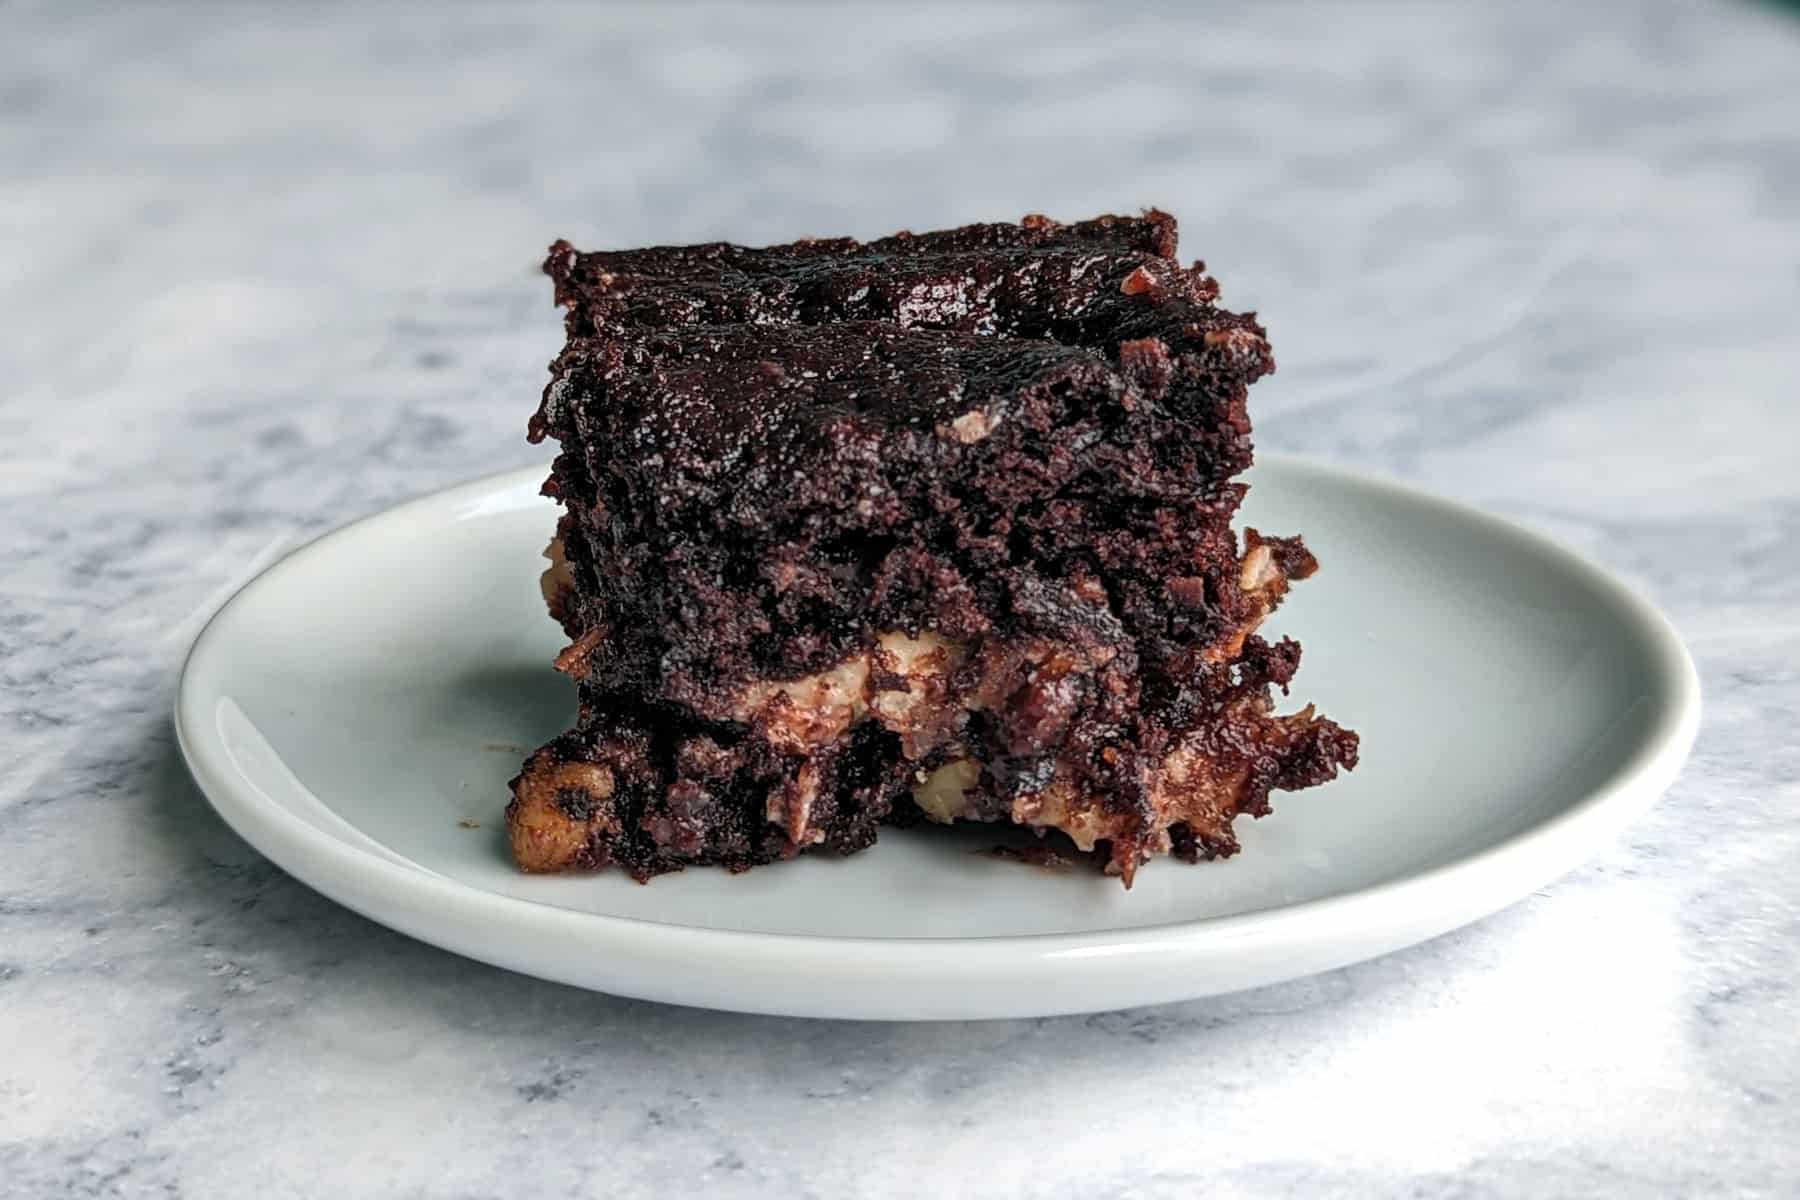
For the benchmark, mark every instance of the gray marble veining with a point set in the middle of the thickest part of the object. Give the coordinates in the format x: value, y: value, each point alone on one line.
x: 265, y: 270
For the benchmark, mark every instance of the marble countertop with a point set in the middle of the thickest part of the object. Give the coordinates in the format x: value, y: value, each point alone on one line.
x: 266, y: 270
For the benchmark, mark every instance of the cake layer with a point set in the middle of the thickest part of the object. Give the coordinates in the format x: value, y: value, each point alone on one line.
x: 1049, y: 732
x: 1028, y: 391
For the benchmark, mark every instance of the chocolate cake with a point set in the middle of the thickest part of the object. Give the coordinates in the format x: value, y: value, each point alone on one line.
x: 927, y: 529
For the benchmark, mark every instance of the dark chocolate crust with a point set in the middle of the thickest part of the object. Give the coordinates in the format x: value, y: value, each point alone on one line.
x: 840, y: 514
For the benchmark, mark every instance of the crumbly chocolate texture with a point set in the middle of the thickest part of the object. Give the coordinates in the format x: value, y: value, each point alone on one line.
x: 934, y: 526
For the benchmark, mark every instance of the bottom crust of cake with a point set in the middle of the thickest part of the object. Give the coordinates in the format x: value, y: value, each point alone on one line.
x: 584, y: 802
x: 819, y: 764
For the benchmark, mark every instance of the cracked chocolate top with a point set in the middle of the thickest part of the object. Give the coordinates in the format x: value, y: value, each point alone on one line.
x: 724, y: 363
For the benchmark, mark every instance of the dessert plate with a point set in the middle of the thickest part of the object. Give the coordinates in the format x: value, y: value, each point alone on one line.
x: 356, y: 711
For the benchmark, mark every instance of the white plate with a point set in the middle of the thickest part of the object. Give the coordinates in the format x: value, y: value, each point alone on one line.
x: 349, y: 710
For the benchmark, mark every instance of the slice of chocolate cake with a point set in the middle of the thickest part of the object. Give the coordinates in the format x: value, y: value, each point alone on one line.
x: 933, y: 527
